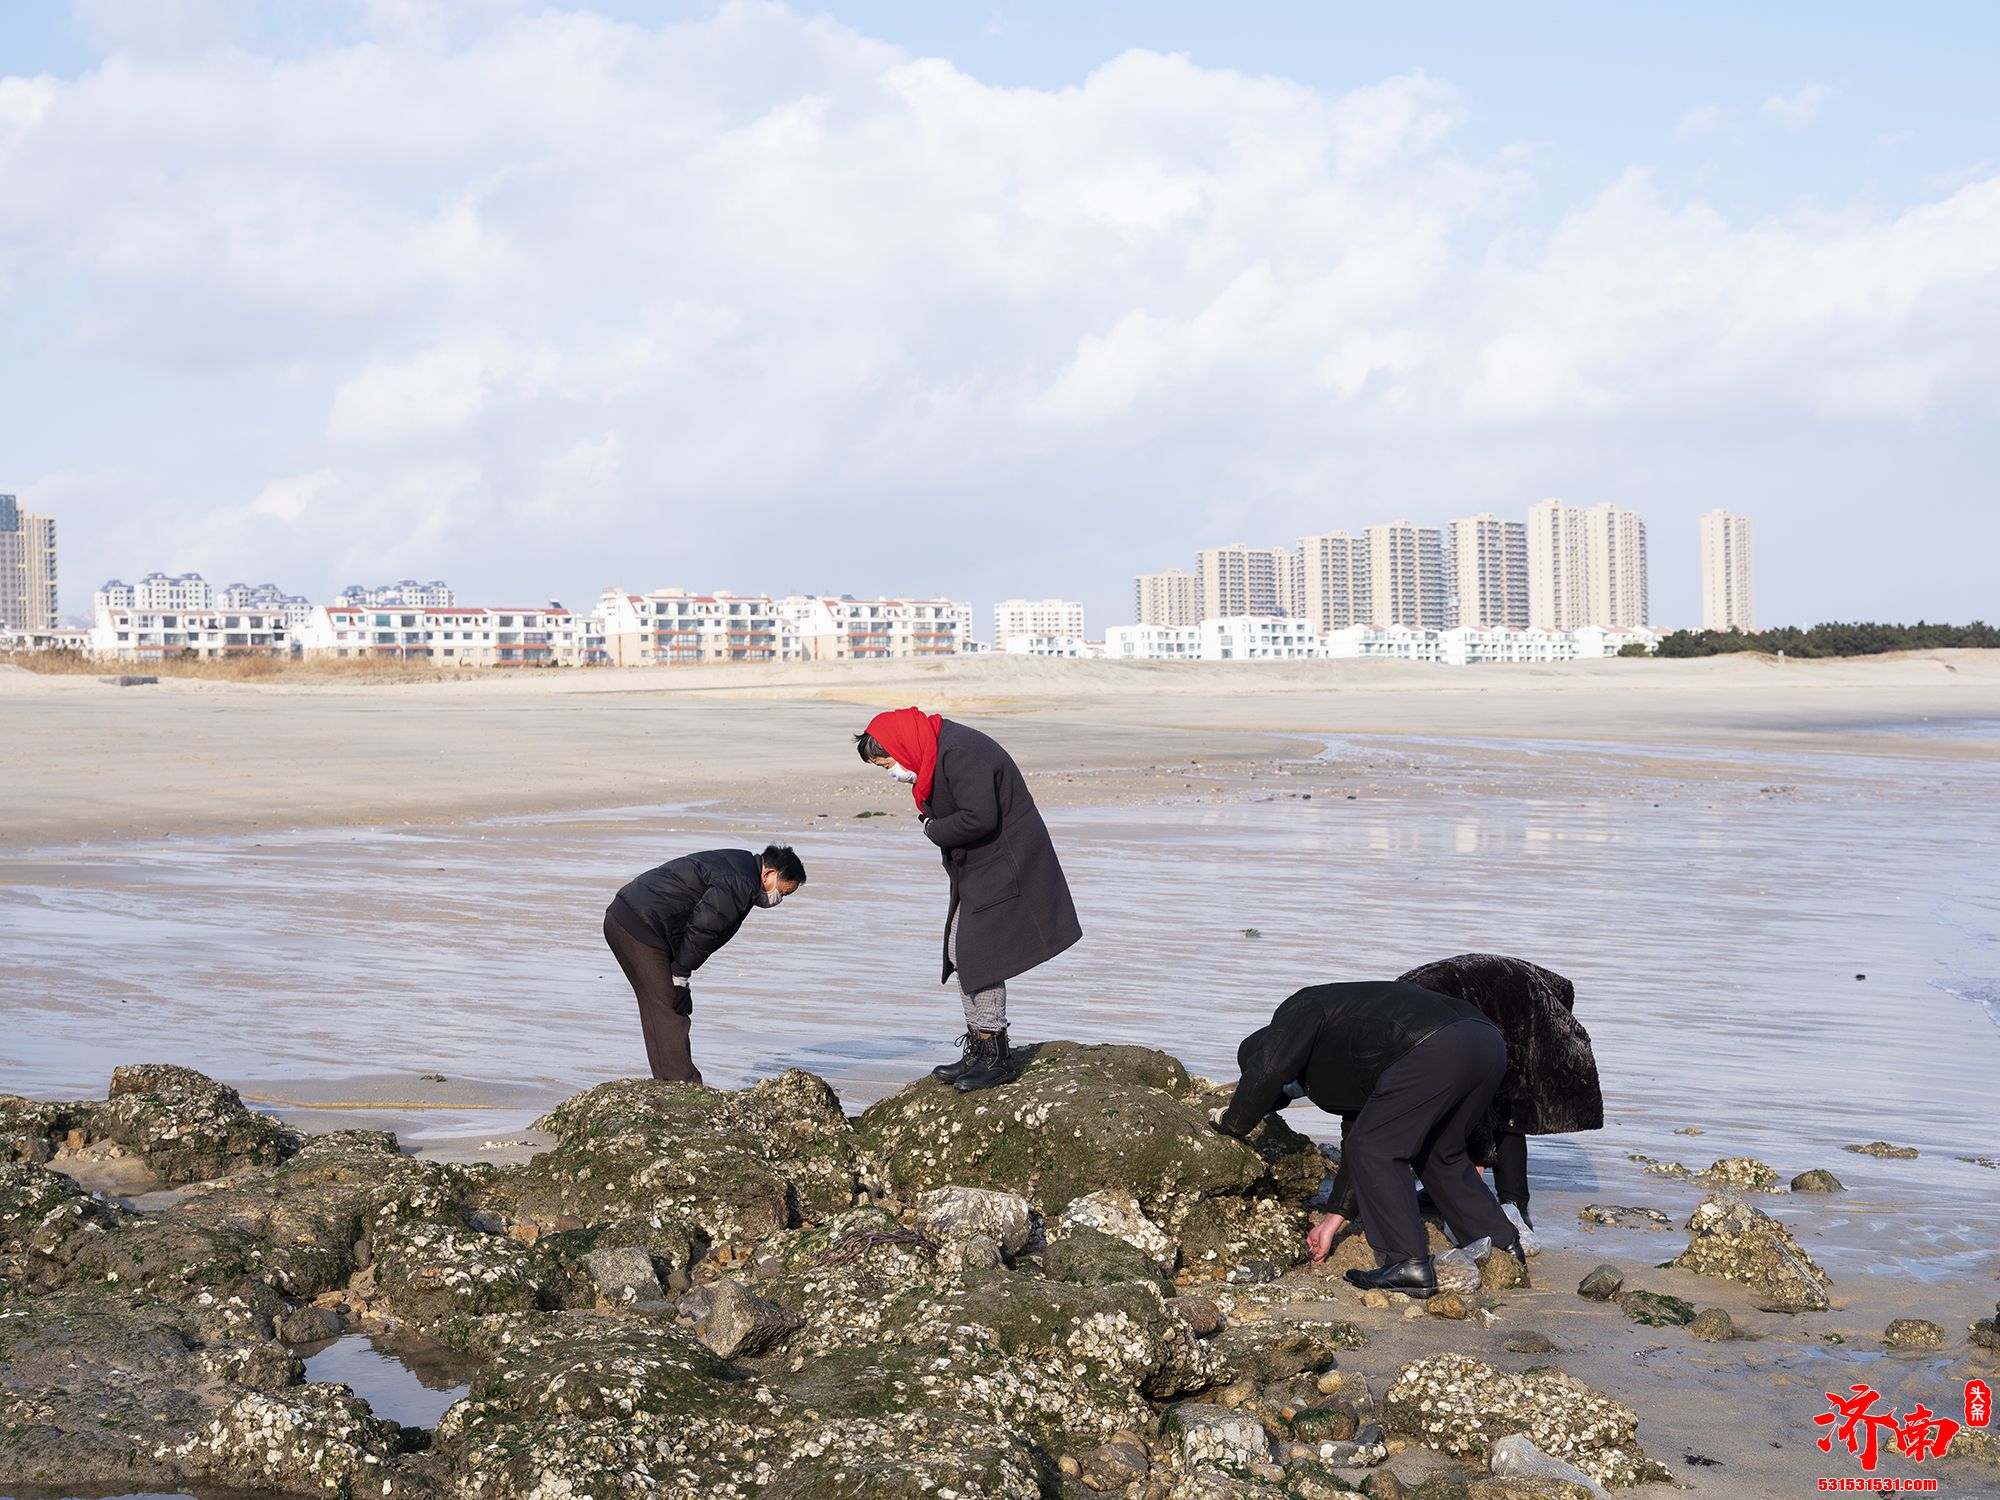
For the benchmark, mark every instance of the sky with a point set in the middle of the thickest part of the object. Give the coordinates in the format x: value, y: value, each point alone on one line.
x: 994, y: 299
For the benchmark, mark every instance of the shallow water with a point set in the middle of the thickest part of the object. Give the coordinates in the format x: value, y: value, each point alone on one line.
x: 401, y: 1383
x: 1715, y: 931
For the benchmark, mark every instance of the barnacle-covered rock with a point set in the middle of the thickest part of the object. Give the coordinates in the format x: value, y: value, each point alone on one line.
x: 1729, y: 1238
x: 1080, y: 1120
x: 1115, y: 1211
x: 184, y: 1125
x: 951, y: 1215
x: 1090, y: 1257
x: 46, y: 1220
x: 743, y: 1166
x: 1742, y: 1172
x: 109, y: 1387
x: 1462, y: 1406
x: 1274, y: 1348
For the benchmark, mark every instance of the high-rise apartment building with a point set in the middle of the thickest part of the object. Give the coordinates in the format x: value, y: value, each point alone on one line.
x: 1332, y: 580
x: 1036, y: 617
x: 1728, y: 591
x: 1405, y: 575
x: 1486, y: 572
x: 1586, y: 566
x: 1171, y: 599
x: 28, y: 581
x: 1240, y: 580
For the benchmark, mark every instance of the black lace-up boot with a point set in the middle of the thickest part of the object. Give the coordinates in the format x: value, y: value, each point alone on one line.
x: 993, y: 1067
x: 951, y: 1072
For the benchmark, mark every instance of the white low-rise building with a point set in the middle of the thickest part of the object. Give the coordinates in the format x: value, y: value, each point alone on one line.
x: 1385, y: 642
x: 1469, y: 645
x: 1604, y: 640
x: 1260, y: 638
x: 1074, y: 647
x: 1153, y: 643
x: 459, y: 636
x: 56, y: 638
x: 135, y: 634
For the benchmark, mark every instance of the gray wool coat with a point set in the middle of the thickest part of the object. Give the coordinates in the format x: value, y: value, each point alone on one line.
x: 1007, y: 888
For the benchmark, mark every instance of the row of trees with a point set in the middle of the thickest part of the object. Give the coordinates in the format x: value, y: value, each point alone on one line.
x: 1835, y: 638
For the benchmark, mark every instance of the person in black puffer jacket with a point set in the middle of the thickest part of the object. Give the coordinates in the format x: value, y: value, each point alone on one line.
x: 668, y: 922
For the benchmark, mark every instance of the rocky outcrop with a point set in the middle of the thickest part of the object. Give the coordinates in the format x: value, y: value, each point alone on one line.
x: 1817, y: 1180
x: 1462, y: 1406
x: 1729, y: 1238
x: 1084, y: 1120
x: 1742, y: 1172
x: 1883, y: 1151
x: 743, y: 1167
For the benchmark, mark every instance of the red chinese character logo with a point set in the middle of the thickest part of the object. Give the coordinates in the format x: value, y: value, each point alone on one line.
x: 1924, y: 1435
x: 1978, y: 1403
x: 1859, y: 1428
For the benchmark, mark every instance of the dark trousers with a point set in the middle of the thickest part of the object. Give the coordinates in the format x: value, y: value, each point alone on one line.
x: 1415, y: 1124
x: 1510, y: 1168
x: 665, y: 1025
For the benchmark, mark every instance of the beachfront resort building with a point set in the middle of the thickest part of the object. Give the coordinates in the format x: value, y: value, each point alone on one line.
x: 849, y: 629
x: 211, y: 632
x: 670, y: 627
x: 457, y: 636
x: 1586, y: 566
x: 1043, y: 618
x: 1486, y: 572
x: 28, y: 577
x: 1728, y: 592
x: 1171, y: 597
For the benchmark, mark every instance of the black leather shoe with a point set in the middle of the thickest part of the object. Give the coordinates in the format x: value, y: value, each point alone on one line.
x: 993, y: 1066
x: 1415, y: 1277
x: 951, y: 1072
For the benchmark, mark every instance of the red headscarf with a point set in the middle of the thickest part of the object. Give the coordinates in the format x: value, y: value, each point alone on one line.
x: 911, y: 736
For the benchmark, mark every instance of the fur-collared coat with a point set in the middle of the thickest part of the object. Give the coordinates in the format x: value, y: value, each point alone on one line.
x: 1551, y: 1087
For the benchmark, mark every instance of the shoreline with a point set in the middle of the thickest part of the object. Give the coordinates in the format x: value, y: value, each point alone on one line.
x: 94, y: 764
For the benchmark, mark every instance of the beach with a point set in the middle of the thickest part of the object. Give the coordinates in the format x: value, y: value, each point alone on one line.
x: 1772, y: 883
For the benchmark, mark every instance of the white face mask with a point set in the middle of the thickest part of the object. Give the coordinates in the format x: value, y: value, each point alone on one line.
x: 769, y: 898
x: 901, y: 773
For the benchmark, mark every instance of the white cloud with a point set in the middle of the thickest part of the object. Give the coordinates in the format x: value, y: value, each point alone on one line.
x: 288, y: 499
x: 746, y: 299
x: 1700, y: 120
x: 1800, y: 109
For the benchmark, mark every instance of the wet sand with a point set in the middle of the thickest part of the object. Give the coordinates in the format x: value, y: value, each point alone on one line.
x: 1713, y: 882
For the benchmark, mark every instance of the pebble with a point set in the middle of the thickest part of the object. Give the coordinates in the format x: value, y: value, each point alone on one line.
x: 1329, y: 1381
x: 1913, y: 1333
x: 1712, y: 1325
x: 1374, y: 1299
x: 1235, y: 1394
x: 1601, y: 1284
x: 1451, y: 1305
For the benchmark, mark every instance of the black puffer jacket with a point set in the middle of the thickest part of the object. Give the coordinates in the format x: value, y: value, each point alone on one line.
x: 691, y: 906
x: 1336, y: 1040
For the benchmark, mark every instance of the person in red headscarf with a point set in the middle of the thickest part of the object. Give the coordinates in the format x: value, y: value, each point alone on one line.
x: 1010, y: 904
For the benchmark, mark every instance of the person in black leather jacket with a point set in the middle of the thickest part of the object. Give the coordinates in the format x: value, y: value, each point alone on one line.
x: 668, y: 922
x: 1410, y: 1072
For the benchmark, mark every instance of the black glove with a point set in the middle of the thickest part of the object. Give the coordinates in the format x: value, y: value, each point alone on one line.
x: 683, y: 997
